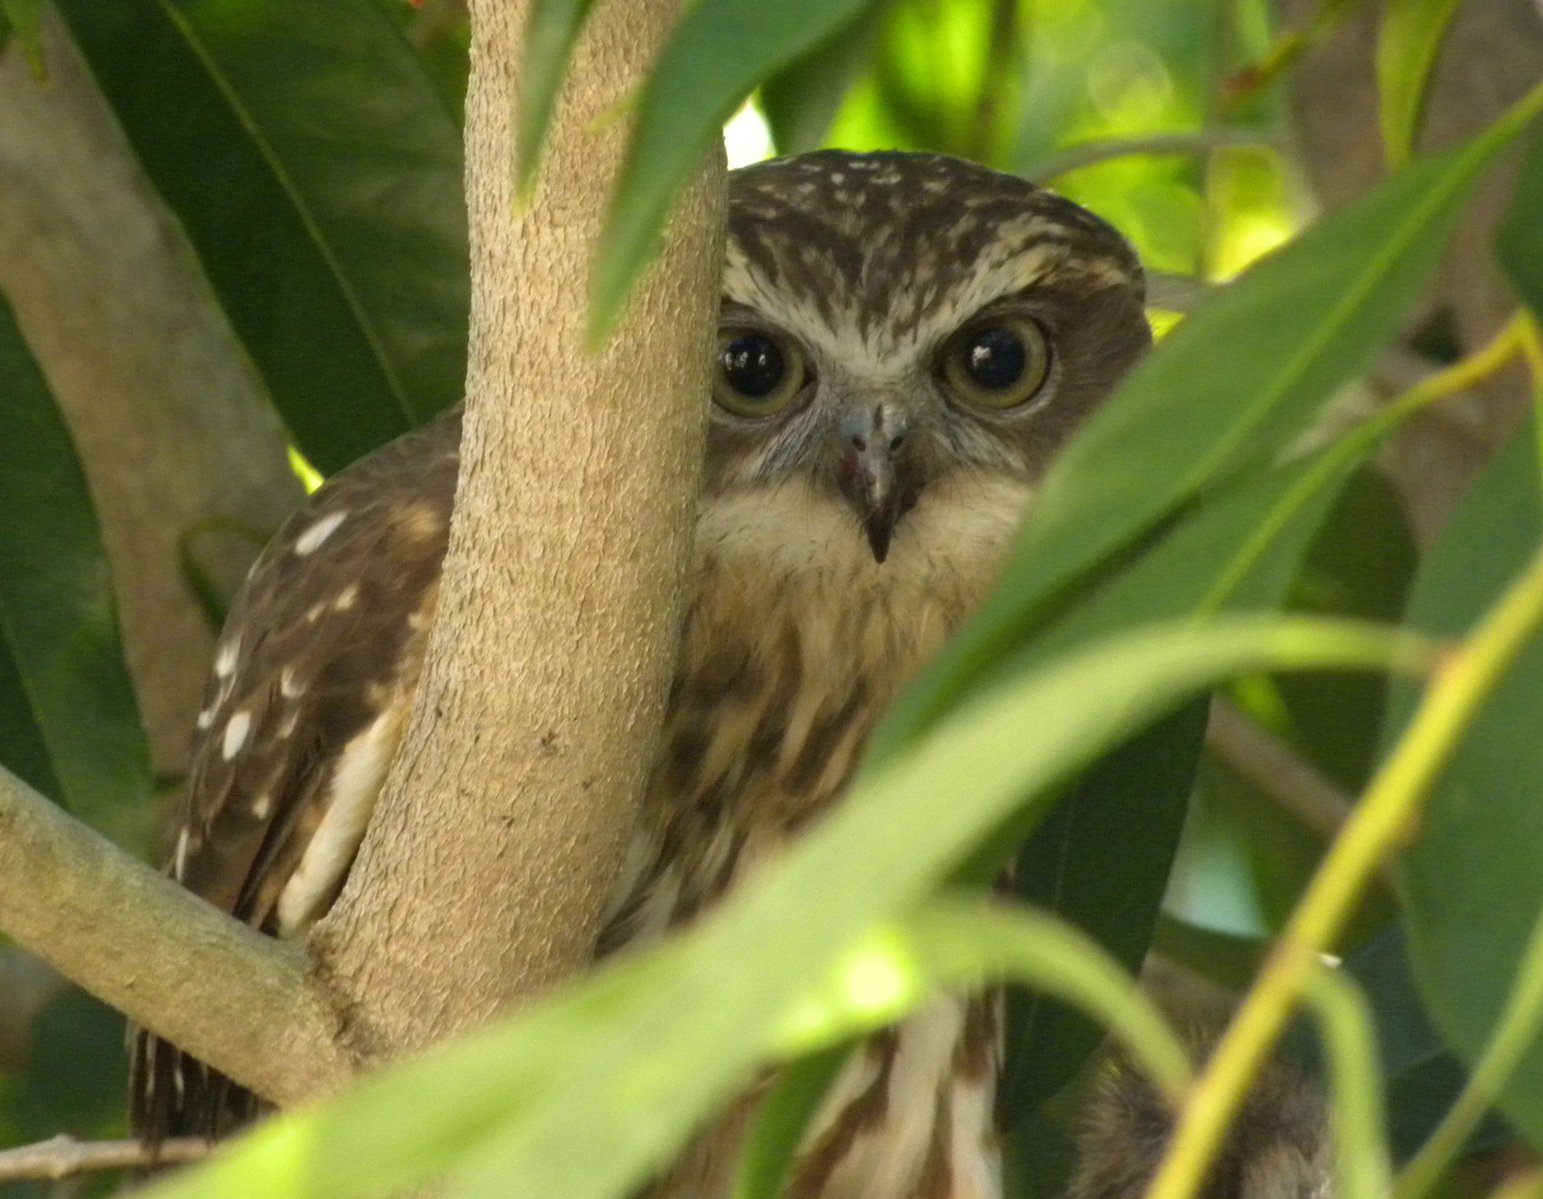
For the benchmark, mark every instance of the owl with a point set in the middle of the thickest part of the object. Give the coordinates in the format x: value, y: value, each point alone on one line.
x: 904, y: 342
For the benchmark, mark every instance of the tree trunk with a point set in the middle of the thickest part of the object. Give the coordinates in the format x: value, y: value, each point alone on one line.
x: 501, y: 830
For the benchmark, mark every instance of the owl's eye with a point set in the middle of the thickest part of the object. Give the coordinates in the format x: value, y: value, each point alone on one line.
x: 758, y: 374
x: 997, y: 363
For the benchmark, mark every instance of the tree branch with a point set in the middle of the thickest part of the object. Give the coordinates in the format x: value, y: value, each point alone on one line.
x: 62, y: 1156
x: 173, y: 428
x: 165, y: 959
x: 1090, y: 153
x: 1276, y: 769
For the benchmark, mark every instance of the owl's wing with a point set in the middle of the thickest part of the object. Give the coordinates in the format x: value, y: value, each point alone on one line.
x: 312, y: 683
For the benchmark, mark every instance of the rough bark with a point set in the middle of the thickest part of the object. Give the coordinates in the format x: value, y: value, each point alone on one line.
x: 171, y: 424
x: 161, y: 956
x: 502, y: 827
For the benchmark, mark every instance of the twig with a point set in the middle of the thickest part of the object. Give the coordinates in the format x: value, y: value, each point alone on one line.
x: 62, y: 1156
x: 1276, y: 769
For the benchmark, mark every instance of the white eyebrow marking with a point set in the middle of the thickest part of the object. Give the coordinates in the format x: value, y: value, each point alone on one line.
x: 310, y: 540
x: 235, y: 734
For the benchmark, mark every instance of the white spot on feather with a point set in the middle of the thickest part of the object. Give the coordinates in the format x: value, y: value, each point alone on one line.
x: 346, y: 598
x: 290, y: 687
x: 206, y: 719
x: 236, y: 729
x: 315, y: 534
x: 262, y: 806
x: 179, y: 860
x: 225, y: 662
x: 356, y: 781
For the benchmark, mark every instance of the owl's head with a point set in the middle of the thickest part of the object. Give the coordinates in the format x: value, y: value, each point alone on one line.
x: 893, y: 319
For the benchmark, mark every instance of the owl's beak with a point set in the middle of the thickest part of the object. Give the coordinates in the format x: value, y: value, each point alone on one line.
x: 872, y: 475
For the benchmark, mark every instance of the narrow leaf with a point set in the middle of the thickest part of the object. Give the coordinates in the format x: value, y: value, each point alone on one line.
x: 317, y: 171
x: 964, y: 942
x: 720, y: 52
x: 801, y: 101
x: 781, y: 1121
x: 58, y: 615
x: 1407, y: 44
x: 20, y: 19
x: 1516, y: 241
x: 1101, y: 862
x: 551, y: 30
x: 1421, y: 1075
x: 1474, y: 864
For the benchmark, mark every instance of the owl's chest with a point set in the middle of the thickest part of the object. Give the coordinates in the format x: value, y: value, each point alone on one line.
x: 795, y: 643
x: 777, y: 692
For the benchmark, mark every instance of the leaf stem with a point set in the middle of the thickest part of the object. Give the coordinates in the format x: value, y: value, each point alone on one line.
x: 1350, y: 1045
x: 1511, y: 340
x: 1382, y: 821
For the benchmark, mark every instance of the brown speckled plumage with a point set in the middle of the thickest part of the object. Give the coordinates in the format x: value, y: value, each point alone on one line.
x: 841, y: 538
x: 1277, y: 1147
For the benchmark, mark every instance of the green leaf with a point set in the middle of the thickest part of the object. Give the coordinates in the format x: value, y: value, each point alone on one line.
x: 1361, y: 566
x: 1516, y: 241
x: 1421, y: 1076
x: 22, y: 749
x: 1474, y: 865
x: 1100, y: 861
x: 317, y: 171
x: 588, y: 1090
x: 964, y: 942
x: 801, y: 100
x: 21, y: 19
x: 782, y: 1119
x: 58, y: 619
x: 1407, y: 43
x: 1224, y: 393
x: 720, y: 52
x: 551, y: 30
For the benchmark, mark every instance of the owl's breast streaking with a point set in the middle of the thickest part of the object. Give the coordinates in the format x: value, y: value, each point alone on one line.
x: 795, y: 643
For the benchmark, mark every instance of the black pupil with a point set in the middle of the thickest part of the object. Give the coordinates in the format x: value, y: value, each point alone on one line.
x: 996, y: 358
x: 753, y: 365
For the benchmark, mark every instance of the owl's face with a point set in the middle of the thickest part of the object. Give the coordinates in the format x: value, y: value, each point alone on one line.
x: 894, y: 320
